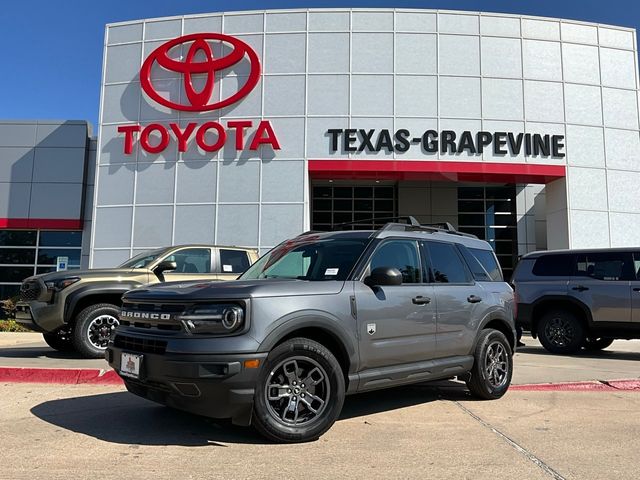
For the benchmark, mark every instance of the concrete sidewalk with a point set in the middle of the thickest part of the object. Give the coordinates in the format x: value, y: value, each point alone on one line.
x: 65, y: 432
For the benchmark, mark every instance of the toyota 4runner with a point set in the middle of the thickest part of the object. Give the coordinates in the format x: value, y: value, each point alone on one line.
x: 573, y: 299
x: 79, y: 309
x: 319, y: 317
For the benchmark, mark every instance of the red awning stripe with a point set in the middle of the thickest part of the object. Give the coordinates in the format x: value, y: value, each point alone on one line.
x: 429, y: 169
x: 41, y: 223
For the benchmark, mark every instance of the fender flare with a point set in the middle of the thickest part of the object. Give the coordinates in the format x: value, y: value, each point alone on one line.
x: 311, y: 319
x: 565, y: 299
x: 97, y: 288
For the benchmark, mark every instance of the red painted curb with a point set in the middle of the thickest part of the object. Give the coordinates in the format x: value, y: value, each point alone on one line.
x: 598, y: 386
x: 73, y: 376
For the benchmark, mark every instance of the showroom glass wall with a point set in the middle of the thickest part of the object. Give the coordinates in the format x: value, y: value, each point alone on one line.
x: 27, y: 252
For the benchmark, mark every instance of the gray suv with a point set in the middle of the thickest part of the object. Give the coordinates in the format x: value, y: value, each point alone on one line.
x: 321, y: 316
x: 573, y: 299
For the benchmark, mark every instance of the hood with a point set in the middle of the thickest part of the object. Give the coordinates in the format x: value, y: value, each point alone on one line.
x: 212, y: 290
x: 97, y: 272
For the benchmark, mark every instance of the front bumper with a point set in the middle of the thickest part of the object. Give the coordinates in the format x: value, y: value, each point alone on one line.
x: 39, y: 316
x: 217, y: 386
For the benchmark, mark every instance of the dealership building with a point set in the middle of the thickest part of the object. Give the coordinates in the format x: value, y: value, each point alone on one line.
x: 247, y: 128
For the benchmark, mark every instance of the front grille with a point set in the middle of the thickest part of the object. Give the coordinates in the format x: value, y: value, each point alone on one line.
x: 157, y: 323
x: 155, y: 307
x: 30, y: 290
x: 143, y: 345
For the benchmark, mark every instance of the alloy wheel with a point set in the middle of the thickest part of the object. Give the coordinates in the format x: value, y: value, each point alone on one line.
x: 559, y: 331
x: 297, y: 391
x: 496, y: 364
x: 101, y: 329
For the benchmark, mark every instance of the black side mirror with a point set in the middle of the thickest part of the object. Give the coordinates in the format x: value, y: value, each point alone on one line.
x: 383, y: 276
x: 164, y: 266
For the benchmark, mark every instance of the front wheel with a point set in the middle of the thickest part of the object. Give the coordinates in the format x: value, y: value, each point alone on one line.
x: 593, y: 344
x: 300, y: 392
x: 561, y: 332
x: 93, y: 329
x: 492, y: 366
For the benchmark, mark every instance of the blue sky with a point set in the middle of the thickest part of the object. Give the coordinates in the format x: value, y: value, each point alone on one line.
x: 52, y: 50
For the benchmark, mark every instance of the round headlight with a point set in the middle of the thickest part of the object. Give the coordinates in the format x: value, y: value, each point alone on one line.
x: 232, y: 318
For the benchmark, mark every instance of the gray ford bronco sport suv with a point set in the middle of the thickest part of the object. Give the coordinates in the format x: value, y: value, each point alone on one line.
x: 321, y: 316
x: 573, y: 299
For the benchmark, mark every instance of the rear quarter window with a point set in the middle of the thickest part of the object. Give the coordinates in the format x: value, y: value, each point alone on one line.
x: 554, y: 266
x: 489, y: 262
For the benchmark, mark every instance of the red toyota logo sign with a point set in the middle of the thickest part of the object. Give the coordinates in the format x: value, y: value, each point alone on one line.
x: 199, y: 101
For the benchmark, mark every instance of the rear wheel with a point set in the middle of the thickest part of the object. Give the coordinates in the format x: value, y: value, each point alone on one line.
x: 592, y: 344
x: 93, y: 329
x: 492, y: 366
x: 561, y: 332
x: 59, y: 340
x: 300, y: 392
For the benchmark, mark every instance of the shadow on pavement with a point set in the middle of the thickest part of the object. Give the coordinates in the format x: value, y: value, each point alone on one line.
x: 126, y: 419
x: 607, y: 354
x: 21, y: 351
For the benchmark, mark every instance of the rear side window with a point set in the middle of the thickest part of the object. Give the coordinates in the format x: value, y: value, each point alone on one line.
x: 554, y: 266
x: 488, y: 260
x: 446, y: 264
x: 611, y: 266
x: 233, y: 261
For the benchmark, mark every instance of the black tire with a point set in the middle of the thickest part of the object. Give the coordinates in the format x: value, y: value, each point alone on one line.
x: 561, y: 332
x: 593, y: 344
x: 290, y: 365
x: 101, y: 319
x: 60, y: 340
x: 492, y: 369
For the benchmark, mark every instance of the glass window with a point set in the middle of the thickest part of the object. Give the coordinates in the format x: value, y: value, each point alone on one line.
x: 636, y: 264
x: 9, y: 291
x: 17, y: 256
x: 48, y: 256
x: 15, y: 274
x: 18, y: 238
x: 554, y: 266
x: 400, y: 254
x: 24, y: 253
x: 233, y: 261
x: 446, y: 264
x: 482, y: 263
x: 192, y: 260
x: 60, y: 239
x: 142, y: 259
x: 611, y: 266
x: 309, y: 258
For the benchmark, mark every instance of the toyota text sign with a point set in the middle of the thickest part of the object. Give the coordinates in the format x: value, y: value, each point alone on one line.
x: 198, y: 61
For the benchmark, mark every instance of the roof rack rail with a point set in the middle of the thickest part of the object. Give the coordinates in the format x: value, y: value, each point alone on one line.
x: 408, y: 220
x: 413, y: 226
x: 406, y: 223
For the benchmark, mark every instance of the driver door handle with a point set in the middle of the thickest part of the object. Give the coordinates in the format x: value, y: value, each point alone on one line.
x: 580, y: 288
x: 420, y: 300
x: 473, y: 299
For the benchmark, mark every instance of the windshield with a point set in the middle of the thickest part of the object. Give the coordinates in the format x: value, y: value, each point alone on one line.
x: 309, y: 258
x: 143, y: 259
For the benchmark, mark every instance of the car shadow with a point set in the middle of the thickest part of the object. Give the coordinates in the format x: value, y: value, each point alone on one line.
x: 599, y: 354
x: 30, y: 351
x: 123, y: 418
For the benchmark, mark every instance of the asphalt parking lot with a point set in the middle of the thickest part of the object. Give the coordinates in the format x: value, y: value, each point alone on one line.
x: 423, y: 431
